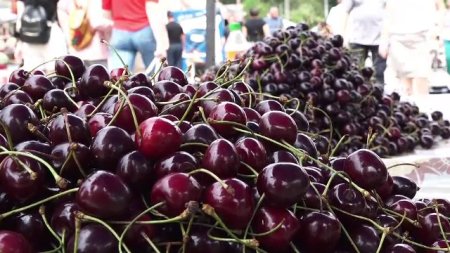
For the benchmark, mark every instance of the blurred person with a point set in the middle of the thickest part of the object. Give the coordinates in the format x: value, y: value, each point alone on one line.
x: 364, y: 21
x: 335, y: 19
x: 138, y: 27
x: 177, y: 41
x: 94, y: 52
x: 274, y: 21
x: 255, y: 28
x: 406, y: 42
x: 34, y: 49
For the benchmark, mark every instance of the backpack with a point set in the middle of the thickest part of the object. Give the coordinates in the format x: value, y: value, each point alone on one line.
x: 34, y: 27
x: 81, y: 32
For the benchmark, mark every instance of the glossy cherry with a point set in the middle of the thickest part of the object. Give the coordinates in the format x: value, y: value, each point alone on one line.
x: 278, y: 126
x: 400, y: 248
x: 220, y: 158
x: 93, y: 238
x: 179, y: 161
x: 366, y: 168
x: 365, y: 237
x: 36, y: 86
x: 252, y: 152
x: 56, y: 99
x: 165, y: 90
x: 404, y: 186
x: 92, y: 82
x: 13, y: 242
x: 345, y: 197
x: 18, y: 76
x: 319, y: 232
x: 143, y: 108
x: 63, y: 219
x: 67, y: 122
x: 174, y: 74
x: 135, y: 170
x: 15, y: 118
x: 72, y: 160
x: 99, y: 121
x: 227, y: 111
x: 70, y: 63
x: 268, y: 105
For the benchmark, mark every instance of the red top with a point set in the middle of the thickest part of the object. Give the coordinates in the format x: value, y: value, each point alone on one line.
x: 129, y: 15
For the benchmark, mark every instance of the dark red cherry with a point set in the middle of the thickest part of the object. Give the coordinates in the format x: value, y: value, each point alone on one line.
x: 283, y: 184
x: 109, y: 145
x: 135, y: 170
x: 36, y: 86
x: 31, y: 226
x: 431, y: 225
x: 70, y: 63
x: 177, y: 106
x: 252, y: 152
x: 206, y: 87
x: 268, y: 105
x: 305, y: 143
x: 104, y: 195
x: 252, y: 115
x: 72, y: 160
x: 300, y: 119
x: 441, y: 244
x: 366, y: 168
x: 165, y: 90
x: 233, y: 205
x: 319, y: 232
x: 386, y: 190
x: 137, y: 80
x: 184, y: 125
x: 158, y: 137
x: 215, y: 98
x: 17, y: 181
x: 226, y: 111
x: 179, y: 161
x: 175, y: 190
x: 347, y: 198
x: 63, y: 219
x: 93, y: 238
x: 56, y: 99
x: 268, y: 218
x: 404, y: 186
x: 278, y: 126
x: 17, y: 97
x: 67, y: 122
x: 400, y: 248
x: 7, y: 88
x: 405, y: 207
x: 200, y: 242
x: 365, y: 237
x: 15, y: 118
x: 200, y: 133
x: 143, y: 90
x: 18, y: 76
x: 40, y: 149
x: 84, y: 110
x: 220, y: 158
x: 13, y: 242
x: 174, y: 74
x: 109, y: 104
x: 92, y: 82
x: 99, y: 121
x: 143, y: 108
x: 282, y: 156
x: 118, y: 73
x: 245, y: 93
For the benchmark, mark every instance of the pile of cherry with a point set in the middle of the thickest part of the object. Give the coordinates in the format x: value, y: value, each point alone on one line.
x: 298, y: 63
x: 98, y: 161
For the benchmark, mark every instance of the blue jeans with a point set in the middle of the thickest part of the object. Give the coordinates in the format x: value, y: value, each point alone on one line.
x: 128, y: 44
x: 174, y: 54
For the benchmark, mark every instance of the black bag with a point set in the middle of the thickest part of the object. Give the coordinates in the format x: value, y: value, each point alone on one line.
x: 34, y: 27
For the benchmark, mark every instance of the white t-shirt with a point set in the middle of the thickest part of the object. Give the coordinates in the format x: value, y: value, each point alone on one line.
x: 411, y: 16
x: 336, y: 20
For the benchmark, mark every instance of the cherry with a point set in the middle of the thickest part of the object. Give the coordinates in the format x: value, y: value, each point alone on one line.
x: 234, y: 205
x: 320, y: 232
x: 136, y: 80
x: 19, y: 183
x: 300, y: 119
x: 175, y: 191
x: 365, y: 238
x: 404, y: 186
x: 134, y: 237
x: 178, y: 106
x: 109, y: 104
x: 37, y: 148
x: 220, y: 158
x: 400, y: 248
x: 143, y: 108
x: 98, y: 121
x: 159, y: 137
x: 174, y: 74
x: 345, y: 197
x: 56, y: 99
x: 104, y: 195
x: 266, y: 219
x: 431, y: 229
x: 267, y: 106
x: 245, y: 93
x: 93, y: 238
x: 386, y: 190
x: 199, y: 242
x: 252, y: 115
x: 18, y: 76
x: 252, y: 152
x: 109, y: 145
x: 165, y: 90
x: 15, y: 118
x: 13, y: 242
x: 200, y: 133
x: 206, y: 87
x: 366, y: 168
x: 183, y: 125
x: 135, y: 170
x: 63, y: 219
x: 84, y: 110
x: 118, y: 73
x: 143, y: 90
x: 74, y: 64
x: 282, y: 156
x: 305, y: 143
x: 36, y: 86
x: 17, y: 97
x: 92, y: 82
x: 6, y: 88
x: 68, y: 156
x: 179, y: 161
x: 405, y: 207
x: 226, y: 111
x: 437, y: 115
x: 439, y: 244
x: 66, y: 123
x: 31, y: 226
x: 217, y: 97
x: 278, y: 126
x: 283, y: 184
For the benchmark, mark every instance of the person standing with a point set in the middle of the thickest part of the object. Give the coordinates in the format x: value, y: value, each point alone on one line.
x: 274, y: 21
x: 364, y: 19
x: 177, y: 40
x: 138, y: 27
x: 35, y: 48
x: 335, y: 19
x: 255, y: 28
x: 94, y: 52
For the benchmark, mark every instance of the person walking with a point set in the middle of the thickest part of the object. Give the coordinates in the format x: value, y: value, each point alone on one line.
x: 138, y: 27
x: 40, y: 37
x: 72, y: 14
x: 406, y: 42
x: 364, y: 19
x: 274, y: 21
x: 255, y: 28
x: 177, y: 40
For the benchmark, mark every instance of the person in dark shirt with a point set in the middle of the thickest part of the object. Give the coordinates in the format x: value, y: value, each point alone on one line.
x: 176, y: 41
x: 255, y: 28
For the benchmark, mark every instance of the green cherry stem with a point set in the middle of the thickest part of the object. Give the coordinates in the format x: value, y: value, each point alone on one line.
x: 50, y: 229
x: 191, y: 104
x: 150, y: 242
x: 202, y: 170
x: 247, y: 228
x: 380, y: 245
